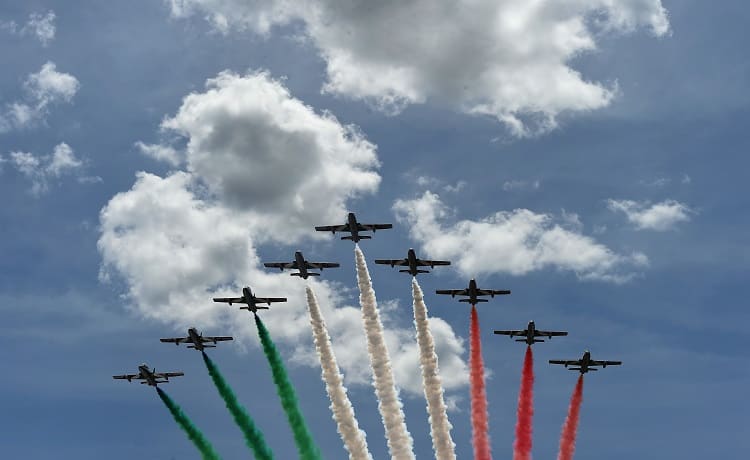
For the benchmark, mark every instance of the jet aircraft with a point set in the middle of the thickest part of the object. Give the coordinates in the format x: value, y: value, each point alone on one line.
x: 584, y: 364
x: 412, y: 262
x: 149, y: 376
x: 302, y: 265
x: 250, y: 300
x: 472, y: 292
x: 197, y: 340
x: 531, y: 333
x: 353, y: 227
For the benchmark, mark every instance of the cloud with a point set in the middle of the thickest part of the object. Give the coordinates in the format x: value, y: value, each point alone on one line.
x: 159, y: 152
x: 509, y: 60
x: 42, y: 90
x: 40, y: 25
x: 266, y: 153
x: 42, y: 169
x: 660, y: 216
x: 521, y: 185
x: 179, y: 240
x: 513, y: 242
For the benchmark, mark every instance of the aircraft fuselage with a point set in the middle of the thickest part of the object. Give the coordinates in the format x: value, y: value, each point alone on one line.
x: 301, y: 264
x: 195, y: 338
x: 353, y: 227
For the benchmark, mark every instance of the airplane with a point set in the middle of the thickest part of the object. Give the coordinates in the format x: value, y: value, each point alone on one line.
x: 302, y: 265
x: 531, y: 333
x: 472, y: 292
x: 584, y: 364
x: 149, y: 376
x: 197, y: 340
x: 249, y: 298
x: 353, y: 227
x: 412, y: 262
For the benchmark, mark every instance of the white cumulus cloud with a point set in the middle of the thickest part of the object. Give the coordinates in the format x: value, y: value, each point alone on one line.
x: 646, y: 216
x: 513, y: 242
x: 268, y: 154
x: 43, y: 89
x: 506, y: 59
x: 258, y: 162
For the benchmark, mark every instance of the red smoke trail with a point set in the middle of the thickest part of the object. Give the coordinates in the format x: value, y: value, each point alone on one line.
x: 570, y: 428
x: 479, y: 425
x: 522, y: 446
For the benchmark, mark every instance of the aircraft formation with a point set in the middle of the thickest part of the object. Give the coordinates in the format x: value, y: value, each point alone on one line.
x: 412, y: 264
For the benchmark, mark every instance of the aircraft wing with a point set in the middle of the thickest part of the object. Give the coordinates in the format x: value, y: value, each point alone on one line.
x: 332, y: 228
x: 281, y: 265
x: 431, y: 263
x: 162, y: 375
x: 176, y: 340
x: 512, y: 333
x: 268, y: 300
x: 127, y: 377
x: 373, y: 227
x: 492, y: 292
x: 322, y: 265
x: 549, y: 333
x: 392, y: 262
x: 219, y: 338
x: 229, y: 299
x: 453, y: 292
x: 604, y: 363
x: 572, y: 362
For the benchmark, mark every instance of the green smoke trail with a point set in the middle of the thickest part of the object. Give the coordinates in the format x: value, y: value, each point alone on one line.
x: 253, y: 436
x: 305, y: 444
x: 205, y: 448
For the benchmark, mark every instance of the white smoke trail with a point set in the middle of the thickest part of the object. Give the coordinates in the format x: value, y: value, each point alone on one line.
x: 343, y: 413
x: 440, y: 427
x: 400, y: 444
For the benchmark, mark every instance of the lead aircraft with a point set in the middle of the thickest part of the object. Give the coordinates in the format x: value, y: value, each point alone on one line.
x: 353, y: 227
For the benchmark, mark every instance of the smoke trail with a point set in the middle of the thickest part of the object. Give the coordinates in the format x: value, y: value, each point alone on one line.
x: 479, y: 418
x: 305, y: 444
x: 253, y: 436
x: 440, y: 427
x: 343, y: 413
x: 400, y: 444
x: 522, y: 446
x: 570, y: 428
x: 205, y: 448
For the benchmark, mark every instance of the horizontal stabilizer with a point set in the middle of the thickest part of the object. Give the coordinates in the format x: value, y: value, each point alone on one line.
x: 522, y: 340
x: 538, y: 340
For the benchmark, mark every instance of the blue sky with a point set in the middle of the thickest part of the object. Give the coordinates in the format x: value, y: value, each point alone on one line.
x: 614, y: 207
